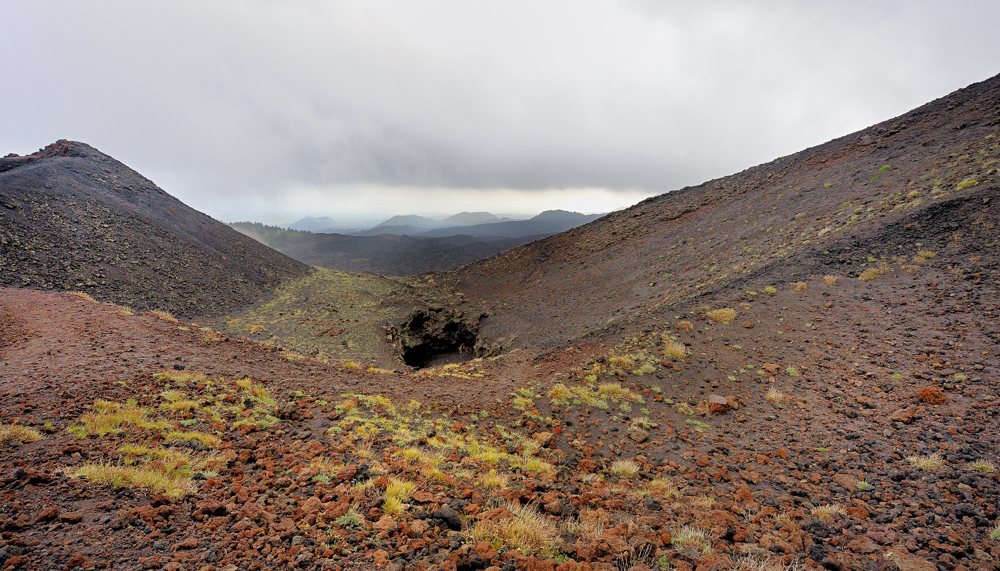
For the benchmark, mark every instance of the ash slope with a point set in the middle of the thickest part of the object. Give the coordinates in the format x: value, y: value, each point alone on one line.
x: 804, y: 215
x: 73, y: 218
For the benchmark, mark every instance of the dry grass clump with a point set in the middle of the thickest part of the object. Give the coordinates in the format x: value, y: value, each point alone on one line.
x: 494, y: 481
x: 624, y: 362
x: 177, y: 401
x: 691, y: 537
x: 922, y: 256
x: 110, y: 416
x: 685, y: 326
x: 560, y: 394
x: 626, y: 468
x: 723, y: 315
x: 774, y: 395
x: 170, y: 485
x: 674, y: 351
x: 966, y: 184
x: 258, y: 394
x: 164, y: 316
x: 830, y: 280
x: 664, y: 487
x: 617, y: 393
x: 983, y: 467
x: 17, y: 435
x: 703, y: 502
x: 83, y: 296
x: 521, y: 528
x: 396, y: 493
x: 590, y: 525
x: 209, y: 440
x: 874, y: 272
x: 826, y: 513
x: 928, y: 462
x: 754, y: 563
x: 799, y: 286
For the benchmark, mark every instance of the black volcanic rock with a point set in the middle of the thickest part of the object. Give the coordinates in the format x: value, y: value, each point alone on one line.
x: 73, y: 218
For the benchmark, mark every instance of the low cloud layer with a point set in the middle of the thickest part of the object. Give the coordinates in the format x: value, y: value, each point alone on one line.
x: 268, y: 110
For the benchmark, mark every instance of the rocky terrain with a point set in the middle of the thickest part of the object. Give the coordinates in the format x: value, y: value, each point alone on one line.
x: 794, y: 367
x: 73, y: 218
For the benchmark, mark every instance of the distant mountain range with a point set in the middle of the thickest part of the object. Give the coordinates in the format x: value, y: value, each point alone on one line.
x: 407, y: 245
x: 480, y: 224
x: 385, y: 254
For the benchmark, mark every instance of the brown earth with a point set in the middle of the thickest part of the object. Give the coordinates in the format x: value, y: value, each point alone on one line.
x: 858, y: 364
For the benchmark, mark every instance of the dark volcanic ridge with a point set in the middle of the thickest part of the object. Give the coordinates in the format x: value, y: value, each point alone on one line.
x: 73, y: 218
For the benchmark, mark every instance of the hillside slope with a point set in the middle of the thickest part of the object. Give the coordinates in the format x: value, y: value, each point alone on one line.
x: 817, y: 211
x: 73, y: 218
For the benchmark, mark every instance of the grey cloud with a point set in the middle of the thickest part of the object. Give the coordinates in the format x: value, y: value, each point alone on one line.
x: 218, y: 100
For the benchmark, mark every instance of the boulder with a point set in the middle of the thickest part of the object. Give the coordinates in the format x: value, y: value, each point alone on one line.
x: 717, y: 404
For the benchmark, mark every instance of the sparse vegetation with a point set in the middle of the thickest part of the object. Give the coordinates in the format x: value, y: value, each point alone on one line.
x: 109, y: 417
x: 771, y: 290
x: 928, y: 462
x: 799, y: 286
x: 685, y: 326
x: 921, y: 257
x: 830, y: 280
x: 626, y: 468
x: 146, y: 476
x: 164, y: 316
x: 873, y: 272
x: 826, y: 512
x: 983, y: 467
x: 520, y: 528
x: 675, y: 351
x: 723, y: 315
x: 17, y: 435
x: 691, y: 537
x: 774, y: 395
x: 969, y: 182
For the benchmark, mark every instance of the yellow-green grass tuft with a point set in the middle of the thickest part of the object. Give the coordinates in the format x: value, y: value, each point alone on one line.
x: 723, y: 315
x: 110, y: 416
x: 626, y: 468
x: 983, y: 467
x: 17, y: 435
x: 774, y: 395
x: 164, y: 316
x: 826, y: 512
x: 674, y: 351
x: 522, y: 529
x: 494, y: 481
x: 172, y: 486
x: 209, y: 440
x: 928, y: 462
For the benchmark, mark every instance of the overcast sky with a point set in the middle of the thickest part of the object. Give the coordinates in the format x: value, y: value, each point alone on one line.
x: 268, y: 110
